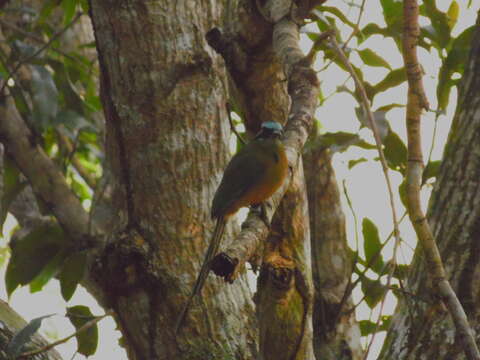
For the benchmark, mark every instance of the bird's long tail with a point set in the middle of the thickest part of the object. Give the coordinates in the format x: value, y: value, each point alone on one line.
x: 202, y: 276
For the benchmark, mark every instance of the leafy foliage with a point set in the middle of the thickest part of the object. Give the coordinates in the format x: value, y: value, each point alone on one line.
x: 372, y: 245
x: 53, y: 78
x: 438, y: 39
x: 88, y: 339
x: 32, y: 254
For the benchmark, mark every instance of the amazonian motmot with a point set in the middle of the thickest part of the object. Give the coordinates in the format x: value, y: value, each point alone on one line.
x: 252, y: 176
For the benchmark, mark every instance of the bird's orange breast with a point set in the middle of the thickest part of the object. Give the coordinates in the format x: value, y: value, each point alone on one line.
x: 275, y: 164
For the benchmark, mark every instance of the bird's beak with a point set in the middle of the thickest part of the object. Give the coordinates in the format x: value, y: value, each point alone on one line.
x: 278, y: 133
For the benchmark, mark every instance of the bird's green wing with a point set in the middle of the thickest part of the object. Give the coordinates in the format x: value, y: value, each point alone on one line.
x: 244, y: 171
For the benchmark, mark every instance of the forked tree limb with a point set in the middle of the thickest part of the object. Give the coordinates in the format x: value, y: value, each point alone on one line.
x: 417, y: 101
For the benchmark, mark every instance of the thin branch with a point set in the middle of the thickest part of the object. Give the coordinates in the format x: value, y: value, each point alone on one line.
x: 32, y: 56
x: 86, y: 326
x: 356, y: 29
x: 355, y: 218
x: 417, y: 101
x: 434, y: 137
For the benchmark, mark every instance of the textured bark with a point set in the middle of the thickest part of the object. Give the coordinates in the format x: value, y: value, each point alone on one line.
x: 335, y: 332
x: 284, y: 297
x: 163, y: 92
x: 422, y: 328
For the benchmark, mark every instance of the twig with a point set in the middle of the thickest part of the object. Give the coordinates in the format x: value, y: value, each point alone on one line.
x: 434, y: 136
x: 232, y: 125
x: 355, y: 29
x: 86, y: 326
x: 50, y: 41
x: 355, y: 219
x: 417, y: 101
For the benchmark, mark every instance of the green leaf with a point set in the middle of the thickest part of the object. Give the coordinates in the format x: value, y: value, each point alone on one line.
x: 441, y: 31
x: 69, y: 7
x: 352, y: 163
x: 20, y: 339
x: 371, y: 58
x: 393, y: 15
x: 395, y: 152
x: 372, y: 245
x: 373, y: 291
x: 455, y: 62
x: 371, y: 29
x: 367, y: 327
x: 48, y: 7
x: 12, y: 186
x: 387, y: 108
x: 87, y: 340
x: 452, y: 14
x: 48, y: 272
x: 431, y: 170
x: 340, y: 141
x: 72, y: 273
x: 335, y: 11
x: 392, y: 79
x: 84, y: 5
x: 81, y: 189
x: 401, y: 271
x: 32, y: 253
x: 402, y: 191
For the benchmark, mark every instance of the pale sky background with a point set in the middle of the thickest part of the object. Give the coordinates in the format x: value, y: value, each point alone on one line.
x: 365, y: 182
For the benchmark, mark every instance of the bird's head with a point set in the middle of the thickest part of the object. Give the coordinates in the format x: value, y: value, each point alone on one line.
x: 270, y: 129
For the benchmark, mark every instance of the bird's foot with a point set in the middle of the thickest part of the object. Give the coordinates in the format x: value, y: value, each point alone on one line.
x: 261, y: 211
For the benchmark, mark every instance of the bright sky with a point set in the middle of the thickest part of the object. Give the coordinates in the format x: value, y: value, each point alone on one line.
x: 365, y: 182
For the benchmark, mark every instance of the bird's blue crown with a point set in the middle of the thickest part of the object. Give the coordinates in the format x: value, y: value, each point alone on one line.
x: 272, y: 126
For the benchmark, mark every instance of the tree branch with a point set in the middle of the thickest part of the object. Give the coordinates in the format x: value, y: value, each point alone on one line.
x: 417, y: 101
x: 43, y: 175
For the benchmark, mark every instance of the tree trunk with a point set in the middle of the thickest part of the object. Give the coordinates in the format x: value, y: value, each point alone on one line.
x: 336, y: 333
x: 163, y: 90
x: 422, y: 328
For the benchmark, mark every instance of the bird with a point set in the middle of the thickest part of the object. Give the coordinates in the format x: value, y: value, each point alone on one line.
x: 253, y: 175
